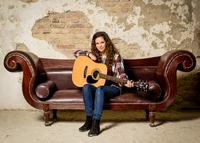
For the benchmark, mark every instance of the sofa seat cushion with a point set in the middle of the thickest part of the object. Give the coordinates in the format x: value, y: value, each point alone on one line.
x: 131, y: 97
x: 66, y: 96
x: 47, y: 90
x: 75, y: 96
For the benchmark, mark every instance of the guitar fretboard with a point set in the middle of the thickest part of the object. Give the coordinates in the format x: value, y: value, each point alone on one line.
x: 112, y: 78
x: 138, y: 84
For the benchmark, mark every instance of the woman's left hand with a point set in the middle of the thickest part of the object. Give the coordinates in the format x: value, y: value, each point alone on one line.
x: 130, y: 83
x: 92, y: 57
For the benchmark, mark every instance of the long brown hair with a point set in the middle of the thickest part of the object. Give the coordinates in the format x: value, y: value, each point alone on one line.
x: 111, y: 50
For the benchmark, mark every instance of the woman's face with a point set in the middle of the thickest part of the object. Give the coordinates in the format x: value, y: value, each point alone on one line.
x: 100, y: 44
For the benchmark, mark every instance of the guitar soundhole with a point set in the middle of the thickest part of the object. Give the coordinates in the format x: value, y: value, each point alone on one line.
x: 91, y: 80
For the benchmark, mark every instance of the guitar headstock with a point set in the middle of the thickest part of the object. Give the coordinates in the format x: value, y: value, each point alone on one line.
x: 141, y: 85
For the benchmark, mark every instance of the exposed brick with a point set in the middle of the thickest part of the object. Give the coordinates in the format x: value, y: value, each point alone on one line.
x: 125, y: 9
x: 114, y: 0
x: 44, y: 20
x: 86, y: 30
x: 64, y: 41
x: 40, y: 26
x: 55, y: 20
x: 82, y: 46
x: 56, y: 30
x: 104, y: 0
x: 46, y: 32
x: 79, y: 36
x: 65, y: 31
x: 65, y: 20
x: 114, y: 10
x: 52, y: 36
x: 76, y: 30
x: 37, y: 31
x: 65, y: 46
x: 75, y: 25
x: 109, y: 4
x: 57, y: 25
x: 75, y: 20
x: 125, y: 4
x: 39, y: 36
x: 125, y: 0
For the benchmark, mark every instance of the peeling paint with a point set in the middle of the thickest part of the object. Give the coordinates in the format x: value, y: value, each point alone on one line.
x: 21, y: 47
x: 164, y: 23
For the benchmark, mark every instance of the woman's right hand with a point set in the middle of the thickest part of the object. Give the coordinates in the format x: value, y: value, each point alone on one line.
x: 91, y: 56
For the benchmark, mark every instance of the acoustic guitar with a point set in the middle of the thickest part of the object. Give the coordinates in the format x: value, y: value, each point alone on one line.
x: 86, y: 71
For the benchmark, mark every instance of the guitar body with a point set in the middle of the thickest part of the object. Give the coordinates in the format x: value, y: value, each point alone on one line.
x: 85, y: 71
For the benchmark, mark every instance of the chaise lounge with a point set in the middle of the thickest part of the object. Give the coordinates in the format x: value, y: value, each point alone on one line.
x: 47, y: 83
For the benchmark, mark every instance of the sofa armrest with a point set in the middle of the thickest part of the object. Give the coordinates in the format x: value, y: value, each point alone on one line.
x: 167, y: 68
x: 45, y: 90
x: 154, y: 91
x: 178, y: 60
x: 33, y: 73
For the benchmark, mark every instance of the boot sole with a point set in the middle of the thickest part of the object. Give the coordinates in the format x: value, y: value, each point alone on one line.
x: 91, y: 135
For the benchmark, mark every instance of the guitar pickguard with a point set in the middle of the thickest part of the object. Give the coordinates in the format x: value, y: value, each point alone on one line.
x: 90, y: 80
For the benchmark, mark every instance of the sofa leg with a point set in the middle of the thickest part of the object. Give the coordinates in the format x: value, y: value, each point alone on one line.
x: 147, y: 114
x: 46, y: 115
x: 152, y: 109
x: 152, y: 119
x: 54, y: 113
x: 46, y: 118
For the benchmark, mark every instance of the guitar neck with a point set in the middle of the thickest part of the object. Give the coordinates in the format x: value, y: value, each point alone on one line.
x: 138, y: 84
x: 112, y: 78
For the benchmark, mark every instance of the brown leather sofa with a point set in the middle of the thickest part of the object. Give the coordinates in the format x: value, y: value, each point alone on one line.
x: 47, y: 83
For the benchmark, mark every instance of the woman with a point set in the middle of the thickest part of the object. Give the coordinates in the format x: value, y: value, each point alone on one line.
x: 102, y: 51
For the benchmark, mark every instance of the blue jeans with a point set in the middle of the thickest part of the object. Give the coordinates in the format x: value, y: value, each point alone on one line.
x: 94, y: 98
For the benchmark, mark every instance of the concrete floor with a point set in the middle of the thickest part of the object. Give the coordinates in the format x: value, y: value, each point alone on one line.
x: 27, y: 126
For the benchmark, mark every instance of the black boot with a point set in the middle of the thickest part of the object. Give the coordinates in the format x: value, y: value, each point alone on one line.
x: 88, y: 124
x: 95, y: 130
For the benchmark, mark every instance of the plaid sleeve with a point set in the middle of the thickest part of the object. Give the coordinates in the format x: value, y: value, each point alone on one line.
x: 120, y: 68
x: 80, y: 52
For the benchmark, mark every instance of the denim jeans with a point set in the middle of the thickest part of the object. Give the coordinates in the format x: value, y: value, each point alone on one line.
x: 94, y: 98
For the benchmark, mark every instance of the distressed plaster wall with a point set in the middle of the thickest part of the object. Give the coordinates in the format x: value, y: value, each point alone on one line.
x: 139, y: 29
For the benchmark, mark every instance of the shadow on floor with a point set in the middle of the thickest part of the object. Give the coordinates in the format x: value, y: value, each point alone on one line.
x: 161, y: 117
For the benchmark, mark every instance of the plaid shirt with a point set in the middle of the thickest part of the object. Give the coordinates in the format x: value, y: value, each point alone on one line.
x: 118, y: 70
